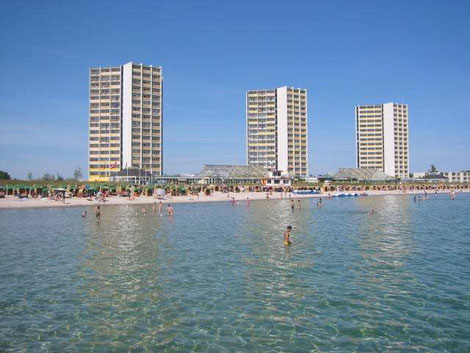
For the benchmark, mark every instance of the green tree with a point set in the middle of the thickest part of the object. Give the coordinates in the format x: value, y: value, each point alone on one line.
x: 4, y: 175
x: 48, y: 176
x: 433, y: 169
x: 29, y: 176
x: 77, y: 174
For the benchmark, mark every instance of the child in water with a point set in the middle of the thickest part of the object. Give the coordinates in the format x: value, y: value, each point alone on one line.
x: 287, y: 236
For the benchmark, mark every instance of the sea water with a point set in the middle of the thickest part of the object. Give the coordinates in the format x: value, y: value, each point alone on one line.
x: 217, y: 277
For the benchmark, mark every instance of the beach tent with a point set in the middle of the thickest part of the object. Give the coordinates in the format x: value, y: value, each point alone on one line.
x: 160, y: 193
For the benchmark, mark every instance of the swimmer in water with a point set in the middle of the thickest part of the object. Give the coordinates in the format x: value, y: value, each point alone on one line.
x: 84, y: 214
x: 287, y: 236
x: 319, y: 203
x: 144, y: 211
x: 98, y: 213
x: 292, y: 205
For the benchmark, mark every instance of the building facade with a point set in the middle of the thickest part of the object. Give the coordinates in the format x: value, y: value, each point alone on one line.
x: 276, y: 129
x: 382, y: 138
x: 457, y: 177
x: 126, y: 120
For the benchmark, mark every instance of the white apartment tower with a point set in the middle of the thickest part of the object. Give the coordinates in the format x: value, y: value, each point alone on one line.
x: 276, y: 129
x: 382, y: 138
x: 126, y: 120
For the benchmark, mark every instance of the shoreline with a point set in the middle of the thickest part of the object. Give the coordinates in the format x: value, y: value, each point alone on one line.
x: 15, y: 203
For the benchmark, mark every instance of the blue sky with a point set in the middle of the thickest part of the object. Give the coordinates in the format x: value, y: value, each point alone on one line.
x: 344, y: 52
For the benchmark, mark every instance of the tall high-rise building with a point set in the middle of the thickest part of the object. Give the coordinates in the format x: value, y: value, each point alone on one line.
x: 382, y: 138
x: 276, y: 129
x: 126, y: 120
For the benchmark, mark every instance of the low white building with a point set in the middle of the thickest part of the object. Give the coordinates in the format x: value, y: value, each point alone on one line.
x: 458, y: 177
x: 277, y: 179
x: 451, y: 177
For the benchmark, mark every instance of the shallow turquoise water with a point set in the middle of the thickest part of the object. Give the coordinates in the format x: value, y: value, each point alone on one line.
x: 218, y: 278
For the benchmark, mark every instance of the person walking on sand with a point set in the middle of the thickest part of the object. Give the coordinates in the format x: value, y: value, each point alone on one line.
x: 98, y: 213
x: 287, y: 236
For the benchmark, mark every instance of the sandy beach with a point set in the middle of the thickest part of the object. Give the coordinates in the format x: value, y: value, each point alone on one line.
x: 14, y: 202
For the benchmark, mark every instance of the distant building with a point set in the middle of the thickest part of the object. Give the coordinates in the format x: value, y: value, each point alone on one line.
x: 126, y: 120
x: 276, y: 130
x: 277, y: 179
x: 458, y: 177
x: 311, y: 179
x: 366, y: 175
x: 382, y: 140
x: 231, y: 174
x: 135, y: 176
x: 451, y: 177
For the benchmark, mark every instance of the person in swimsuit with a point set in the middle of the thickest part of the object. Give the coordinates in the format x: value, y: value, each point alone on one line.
x: 292, y: 205
x: 287, y: 236
x: 98, y: 213
x: 169, y: 209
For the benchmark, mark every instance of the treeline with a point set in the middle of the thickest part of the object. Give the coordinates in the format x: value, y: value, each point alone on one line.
x: 77, y: 175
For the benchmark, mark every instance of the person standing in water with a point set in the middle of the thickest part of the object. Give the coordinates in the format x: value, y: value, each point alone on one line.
x: 160, y: 208
x: 154, y: 207
x: 299, y: 205
x: 98, y: 213
x: 287, y: 236
x: 169, y: 209
x: 292, y: 205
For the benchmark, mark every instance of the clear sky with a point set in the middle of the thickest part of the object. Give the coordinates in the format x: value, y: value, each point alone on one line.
x: 344, y: 52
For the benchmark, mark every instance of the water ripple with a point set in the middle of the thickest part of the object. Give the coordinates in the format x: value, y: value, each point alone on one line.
x: 217, y: 278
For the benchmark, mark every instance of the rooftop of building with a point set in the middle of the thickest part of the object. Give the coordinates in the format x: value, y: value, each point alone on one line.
x: 228, y: 171
x: 361, y: 174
